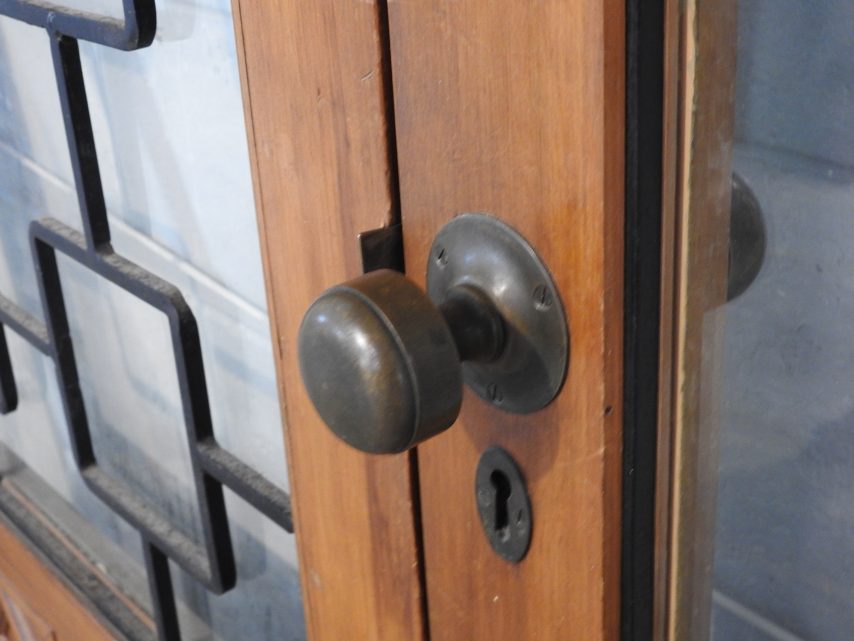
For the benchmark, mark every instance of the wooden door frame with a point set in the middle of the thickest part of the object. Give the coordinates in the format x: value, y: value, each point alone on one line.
x: 34, y: 598
x: 56, y: 582
x: 699, y: 93
x: 317, y: 100
x: 519, y: 113
x: 320, y: 98
x: 343, y: 90
x: 263, y: 61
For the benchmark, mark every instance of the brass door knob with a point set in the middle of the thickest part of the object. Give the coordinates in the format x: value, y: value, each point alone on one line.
x: 384, y: 362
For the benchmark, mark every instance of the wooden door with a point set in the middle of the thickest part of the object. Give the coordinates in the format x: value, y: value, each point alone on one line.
x: 519, y: 112
x: 365, y: 114
x: 35, y: 605
x: 315, y: 82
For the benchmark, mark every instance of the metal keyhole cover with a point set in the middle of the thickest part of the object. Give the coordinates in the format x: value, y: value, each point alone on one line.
x: 480, y: 251
x: 506, y: 515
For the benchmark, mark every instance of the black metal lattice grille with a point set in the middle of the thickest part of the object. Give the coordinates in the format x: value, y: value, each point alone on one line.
x: 211, y: 561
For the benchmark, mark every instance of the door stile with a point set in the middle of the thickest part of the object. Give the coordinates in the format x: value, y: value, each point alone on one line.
x: 701, y: 95
x: 519, y: 113
x: 315, y: 81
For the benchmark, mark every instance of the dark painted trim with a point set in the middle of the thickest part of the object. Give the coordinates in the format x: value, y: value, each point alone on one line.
x: 644, y: 129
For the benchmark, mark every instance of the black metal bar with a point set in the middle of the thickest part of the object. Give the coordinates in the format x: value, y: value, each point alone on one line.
x: 213, y: 565
x: 59, y: 334
x: 644, y: 122
x: 8, y: 389
x: 162, y: 593
x: 248, y: 484
x: 81, y: 140
x: 148, y: 520
x: 136, y: 31
x: 27, y: 327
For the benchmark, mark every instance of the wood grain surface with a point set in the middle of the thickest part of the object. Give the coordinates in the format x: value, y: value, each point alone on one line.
x: 314, y: 80
x: 37, y: 602
x: 516, y: 109
x: 667, y: 347
x: 703, y: 194
x: 18, y: 622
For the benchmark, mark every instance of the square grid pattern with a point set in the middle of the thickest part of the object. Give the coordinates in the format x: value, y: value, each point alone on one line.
x: 211, y: 561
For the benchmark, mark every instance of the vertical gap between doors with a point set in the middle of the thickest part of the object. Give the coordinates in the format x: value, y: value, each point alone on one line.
x: 395, y: 218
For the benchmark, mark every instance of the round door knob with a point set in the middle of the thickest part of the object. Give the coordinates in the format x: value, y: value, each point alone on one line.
x: 384, y: 363
x: 379, y: 363
x: 747, y: 239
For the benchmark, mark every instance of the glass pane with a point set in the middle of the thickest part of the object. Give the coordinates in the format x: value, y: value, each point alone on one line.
x: 171, y: 141
x: 784, y: 540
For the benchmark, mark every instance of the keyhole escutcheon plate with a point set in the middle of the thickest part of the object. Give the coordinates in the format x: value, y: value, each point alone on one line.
x: 503, y: 504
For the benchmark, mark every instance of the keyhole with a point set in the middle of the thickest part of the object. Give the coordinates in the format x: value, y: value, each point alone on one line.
x: 503, y: 504
x: 501, y: 485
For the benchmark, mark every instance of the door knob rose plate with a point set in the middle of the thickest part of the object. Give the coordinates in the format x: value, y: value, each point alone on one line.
x: 482, y: 252
x: 384, y: 363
